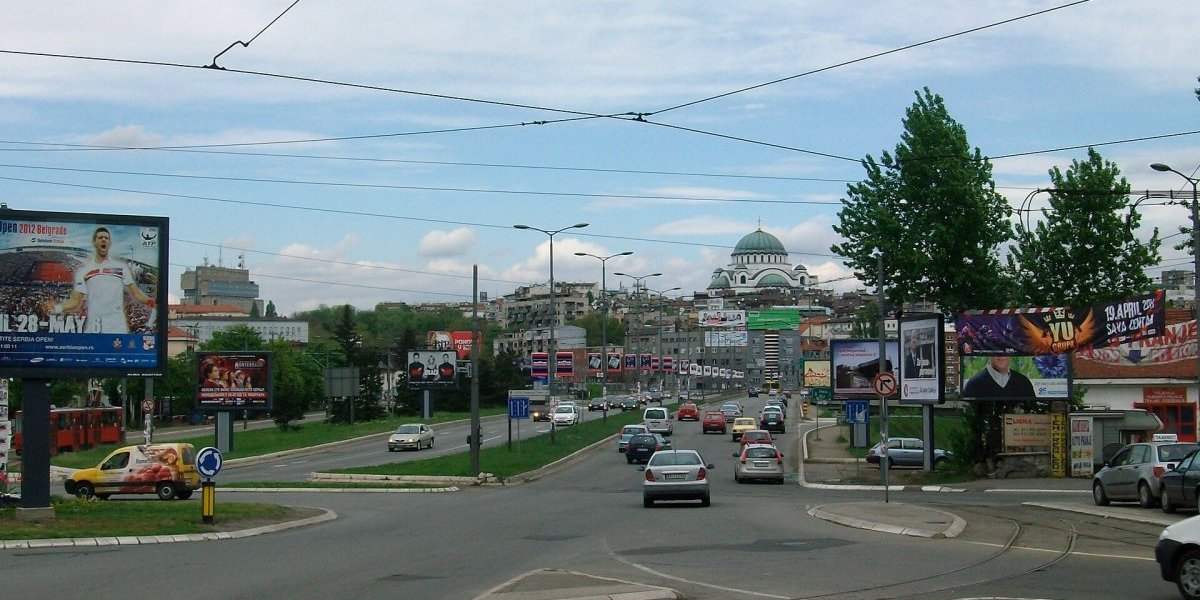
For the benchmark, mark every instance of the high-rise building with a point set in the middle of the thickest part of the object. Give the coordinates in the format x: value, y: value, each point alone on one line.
x: 209, y: 286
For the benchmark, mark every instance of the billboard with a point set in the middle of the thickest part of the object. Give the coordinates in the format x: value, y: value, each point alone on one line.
x: 458, y: 341
x: 1014, y: 377
x: 921, y: 365
x: 539, y: 363
x: 816, y: 373
x: 436, y: 370
x: 1176, y: 344
x: 79, y: 295
x: 722, y: 318
x: 1060, y: 330
x: 722, y: 339
x: 233, y: 380
x: 564, y: 364
x: 774, y: 319
x: 594, y: 363
x: 614, y: 361
x: 856, y: 362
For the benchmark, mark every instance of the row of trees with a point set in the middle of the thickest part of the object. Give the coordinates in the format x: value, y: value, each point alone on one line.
x: 931, y: 208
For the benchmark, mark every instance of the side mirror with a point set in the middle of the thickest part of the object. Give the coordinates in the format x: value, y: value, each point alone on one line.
x: 641, y: 468
x: 711, y: 466
x: 735, y: 455
x: 1171, y: 466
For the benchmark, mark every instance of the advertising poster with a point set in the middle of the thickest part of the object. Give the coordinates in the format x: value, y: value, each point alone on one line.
x: 1014, y: 377
x: 655, y: 363
x: 228, y: 380
x: 706, y: 370
x: 435, y: 369
x: 921, y: 360
x: 722, y: 318
x: 79, y: 295
x: 782, y: 319
x: 855, y: 364
x: 816, y: 373
x: 614, y: 361
x: 631, y: 362
x: 564, y: 364
x: 1083, y: 449
x: 1177, y: 343
x: 539, y: 365
x: 1022, y: 433
x: 458, y: 341
x: 668, y: 364
x: 644, y: 363
x: 594, y: 363
x: 1061, y: 330
x: 5, y: 435
x: 695, y: 369
x: 1058, y: 445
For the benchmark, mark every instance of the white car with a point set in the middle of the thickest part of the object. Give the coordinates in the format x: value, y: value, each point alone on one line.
x: 1178, y: 556
x: 675, y: 475
x: 411, y: 435
x: 566, y: 414
x: 658, y: 420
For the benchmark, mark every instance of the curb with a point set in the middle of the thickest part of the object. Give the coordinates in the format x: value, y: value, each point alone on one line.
x: 328, y: 515
x: 957, y: 524
x: 348, y: 490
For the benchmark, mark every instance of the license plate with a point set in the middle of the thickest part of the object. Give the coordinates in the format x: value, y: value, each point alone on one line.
x: 761, y: 463
x: 675, y: 475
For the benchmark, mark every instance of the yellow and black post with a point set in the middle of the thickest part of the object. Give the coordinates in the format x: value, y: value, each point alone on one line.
x: 208, y: 500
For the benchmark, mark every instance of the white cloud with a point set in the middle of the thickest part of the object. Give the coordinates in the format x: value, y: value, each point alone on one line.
x: 439, y: 243
x: 124, y: 136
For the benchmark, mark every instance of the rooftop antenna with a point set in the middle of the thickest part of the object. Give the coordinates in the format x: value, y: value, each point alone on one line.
x: 242, y: 261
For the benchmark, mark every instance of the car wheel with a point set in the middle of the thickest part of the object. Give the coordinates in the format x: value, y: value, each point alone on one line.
x: 1098, y: 495
x: 647, y: 502
x: 940, y: 463
x: 85, y: 489
x: 1145, y: 498
x: 1167, y: 507
x: 705, y: 500
x: 629, y: 459
x: 103, y: 496
x: 431, y: 440
x: 1187, y: 575
x: 165, y: 490
x: 184, y: 494
x: 736, y: 478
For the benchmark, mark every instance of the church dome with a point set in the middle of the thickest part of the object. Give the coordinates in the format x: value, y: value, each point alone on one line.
x: 773, y: 280
x: 718, y: 283
x: 759, y: 242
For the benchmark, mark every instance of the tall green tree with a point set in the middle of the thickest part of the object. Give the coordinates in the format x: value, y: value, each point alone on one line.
x: 1084, y: 248
x: 931, y: 207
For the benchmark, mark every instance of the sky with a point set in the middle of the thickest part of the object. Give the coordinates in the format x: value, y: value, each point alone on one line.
x: 366, y: 152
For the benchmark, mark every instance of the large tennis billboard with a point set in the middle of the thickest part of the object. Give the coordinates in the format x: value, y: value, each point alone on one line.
x: 79, y: 295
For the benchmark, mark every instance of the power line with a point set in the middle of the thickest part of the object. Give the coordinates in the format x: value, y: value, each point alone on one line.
x: 247, y: 44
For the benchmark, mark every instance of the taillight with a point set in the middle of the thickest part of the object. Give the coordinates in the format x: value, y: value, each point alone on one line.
x: 702, y: 474
x: 649, y: 475
x: 779, y: 458
x: 657, y: 447
x: 1158, y: 472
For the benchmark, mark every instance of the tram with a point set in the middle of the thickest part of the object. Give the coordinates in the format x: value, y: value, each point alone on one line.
x: 73, y: 429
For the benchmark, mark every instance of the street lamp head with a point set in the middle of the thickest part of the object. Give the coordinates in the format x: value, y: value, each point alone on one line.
x: 578, y: 226
x: 1160, y: 167
x: 583, y: 254
x: 625, y: 253
x: 520, y: 227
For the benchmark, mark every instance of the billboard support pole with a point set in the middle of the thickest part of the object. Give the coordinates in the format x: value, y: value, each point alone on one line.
x: 224, y: 431
x: 426, y: 413
x: 35, y: 458
x: 927, y: 432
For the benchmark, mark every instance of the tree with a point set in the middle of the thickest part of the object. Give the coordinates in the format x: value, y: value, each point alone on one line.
x: 254, y: 310
x: 933, y: 210
x: 292, y: 391
x: 1085, y: 248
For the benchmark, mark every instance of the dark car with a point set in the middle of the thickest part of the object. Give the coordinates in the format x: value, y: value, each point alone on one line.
x: 643, y: 446
x: 752, y: 393
x: 1180, y: 485
x: 630, y: 403
x: 773, y: 421
x: 598, y: 403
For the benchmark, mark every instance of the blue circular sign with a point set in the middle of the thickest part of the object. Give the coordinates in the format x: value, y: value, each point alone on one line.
x: 208, y: 462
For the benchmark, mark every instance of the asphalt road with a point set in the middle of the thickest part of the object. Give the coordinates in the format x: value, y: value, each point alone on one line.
x: 755, y: 541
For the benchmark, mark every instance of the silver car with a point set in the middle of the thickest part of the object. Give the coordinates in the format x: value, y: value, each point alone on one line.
x: 1135, y: 471
x: 758, y: 461
x: 411, y: 435
x: 675, y: 475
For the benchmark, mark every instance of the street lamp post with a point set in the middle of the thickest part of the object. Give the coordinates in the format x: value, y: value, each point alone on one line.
x: 637, y: 286
x: 661, y: 315
x: 604, y: 322
x: 1195, y: 254
x: 552, y: 362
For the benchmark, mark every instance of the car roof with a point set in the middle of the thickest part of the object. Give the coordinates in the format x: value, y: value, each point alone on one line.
x: 743, y: 420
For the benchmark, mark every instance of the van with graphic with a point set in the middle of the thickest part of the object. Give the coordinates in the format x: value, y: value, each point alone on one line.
x: 166, y: 470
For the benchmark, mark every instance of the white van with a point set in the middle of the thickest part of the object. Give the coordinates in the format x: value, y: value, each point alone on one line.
x: 658, y: 420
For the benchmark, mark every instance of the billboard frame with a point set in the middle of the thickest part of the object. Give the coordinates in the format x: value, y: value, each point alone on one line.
x: 265, y: 404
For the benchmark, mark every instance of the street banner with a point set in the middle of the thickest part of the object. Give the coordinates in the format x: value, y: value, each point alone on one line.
x: 656, y: 363
x: 707, y: 370
x: 695, y: 369
x: 1177, y: 343
x: 564, y: 364
x: 668, y: 364
x: 631, y: 362
x: 1061, y: 330
x: 614, y: 361
x: 594, y: 363
x: 644, y: 363
x: 539, y: 364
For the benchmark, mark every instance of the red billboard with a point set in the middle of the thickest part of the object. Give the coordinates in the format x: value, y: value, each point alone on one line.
x: 233, y: 380
x: 458, y: 341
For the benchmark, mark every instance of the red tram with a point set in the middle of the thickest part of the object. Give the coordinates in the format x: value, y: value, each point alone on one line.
x: 73, y: 429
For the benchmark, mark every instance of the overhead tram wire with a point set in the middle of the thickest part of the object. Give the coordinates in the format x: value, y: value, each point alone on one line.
x: 214, y: 64
x: 358, y: 213
x: 382, y: 186
x: 864, y: 58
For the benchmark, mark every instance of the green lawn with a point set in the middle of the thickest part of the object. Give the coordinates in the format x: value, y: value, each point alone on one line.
x: 83, y: 518
x: 534, y: 452
x: 255, y: 442
x: 905, y: 421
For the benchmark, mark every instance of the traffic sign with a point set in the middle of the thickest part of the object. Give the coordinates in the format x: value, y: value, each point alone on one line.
x: 148, y: 405
x: 857, y: 411
x: 884, y: 384
x: 208, y: 462
x: 518, y: 408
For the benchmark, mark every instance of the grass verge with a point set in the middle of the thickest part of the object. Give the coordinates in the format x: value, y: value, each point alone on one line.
x: 256, y: 485
x: 85, y: 519
x: 530, y: 454
x: 256, y: 442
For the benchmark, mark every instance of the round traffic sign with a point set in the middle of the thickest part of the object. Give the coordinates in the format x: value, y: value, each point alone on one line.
x: 147, y: 405
x: 208, y: 462
x: 884, y: 384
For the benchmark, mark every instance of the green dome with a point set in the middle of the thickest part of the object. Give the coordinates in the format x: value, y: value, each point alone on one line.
x: 718, y: 282
x: 773, y: 280
x: 759, y: 242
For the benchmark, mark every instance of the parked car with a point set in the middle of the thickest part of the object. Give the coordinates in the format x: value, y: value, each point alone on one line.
x: 658, y: 420
x: 1179, y: 486
x: 1134, y: 472
x: 758, y: 461
x: 566, y: 414
x: 1178, y: 556
x: 740, y: 426
x: 675, y: 475
x: 688, y: 411
x: 908, y: 452
x: 643, y: 445
x: 166, y: 470
x: 410, y: 435
x: 756, y: 436
x: 773, y: 421
x: 713, y: 421
x: 628, y: 432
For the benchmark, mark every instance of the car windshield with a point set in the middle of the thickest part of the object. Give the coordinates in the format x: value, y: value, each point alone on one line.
x: 668, y: 459
x: 564, y: 409
x: 1174, y: 452
x: 760, y: 453
x: 408, y: 429
x: 642, y: 438
x: 633, y: 429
